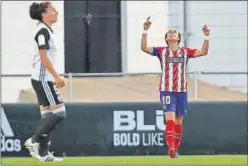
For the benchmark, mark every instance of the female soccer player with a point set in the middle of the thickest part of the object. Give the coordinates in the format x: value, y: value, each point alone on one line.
x: 45, y: 81
x: 173, y: 85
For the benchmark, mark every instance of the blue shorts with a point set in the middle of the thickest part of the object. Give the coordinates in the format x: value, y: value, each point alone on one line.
x: 174, y: 102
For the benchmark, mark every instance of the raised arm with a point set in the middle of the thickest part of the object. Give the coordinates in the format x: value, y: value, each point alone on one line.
x: 144, y: 47
x: 204, y: 50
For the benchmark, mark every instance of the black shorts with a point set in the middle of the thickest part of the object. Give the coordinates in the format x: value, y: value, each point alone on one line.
x: 46, y: 92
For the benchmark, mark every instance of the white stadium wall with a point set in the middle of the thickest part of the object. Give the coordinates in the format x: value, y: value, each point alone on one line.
x: 228, y: 47
x: 17, y: 36
x: 134, y: 13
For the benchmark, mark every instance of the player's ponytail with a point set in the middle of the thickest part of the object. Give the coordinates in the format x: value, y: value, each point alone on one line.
x: 36, y: 10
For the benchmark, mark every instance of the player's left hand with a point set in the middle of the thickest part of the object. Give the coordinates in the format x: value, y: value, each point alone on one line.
x: 206, y: 30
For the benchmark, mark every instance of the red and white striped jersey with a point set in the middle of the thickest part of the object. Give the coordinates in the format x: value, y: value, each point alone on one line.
x: 173, y: 66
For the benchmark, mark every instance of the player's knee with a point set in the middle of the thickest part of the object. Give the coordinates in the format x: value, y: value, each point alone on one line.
x: 170, y: 115
x: 45, y: 114
x: 60, y: 111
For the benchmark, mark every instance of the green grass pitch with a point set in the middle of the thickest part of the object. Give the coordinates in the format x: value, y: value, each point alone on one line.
x: 139, y: 160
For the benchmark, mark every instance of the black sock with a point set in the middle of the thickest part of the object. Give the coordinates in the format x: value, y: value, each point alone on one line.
x: 46, y: 125
x: 45, y: 139
x: 44, y: 144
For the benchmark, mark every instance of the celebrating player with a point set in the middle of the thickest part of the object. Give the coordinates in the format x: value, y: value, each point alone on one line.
x: 173, y: 85
x: 45, y: 81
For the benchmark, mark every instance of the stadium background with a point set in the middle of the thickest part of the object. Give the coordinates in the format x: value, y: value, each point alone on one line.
x: 99, y: 50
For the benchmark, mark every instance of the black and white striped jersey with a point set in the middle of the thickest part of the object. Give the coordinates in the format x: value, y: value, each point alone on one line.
x: 43, y: 39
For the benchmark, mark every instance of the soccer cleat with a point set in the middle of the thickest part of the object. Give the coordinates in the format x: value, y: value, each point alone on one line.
x: 50, y: 158
x: 172, y: 153
x: 33, y: 148
x: 177, y: 155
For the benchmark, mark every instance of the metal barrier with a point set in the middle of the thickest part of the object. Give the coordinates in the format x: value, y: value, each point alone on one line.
x: 196, y: 77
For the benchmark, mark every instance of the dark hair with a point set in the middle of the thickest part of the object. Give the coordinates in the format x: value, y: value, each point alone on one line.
x: 36, y: 10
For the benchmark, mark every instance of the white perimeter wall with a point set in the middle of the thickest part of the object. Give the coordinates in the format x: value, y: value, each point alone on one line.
x: 17, y: 35
x: 228, y: 46
x: 134, y: 14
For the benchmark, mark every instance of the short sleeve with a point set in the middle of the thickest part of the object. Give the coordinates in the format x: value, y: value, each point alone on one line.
x: 157, y: 51
x: 190, y: 52
x: 42, y: 38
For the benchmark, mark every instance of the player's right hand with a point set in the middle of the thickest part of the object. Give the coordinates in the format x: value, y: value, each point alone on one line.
x: 60, y: 83
x: 147, y: 24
